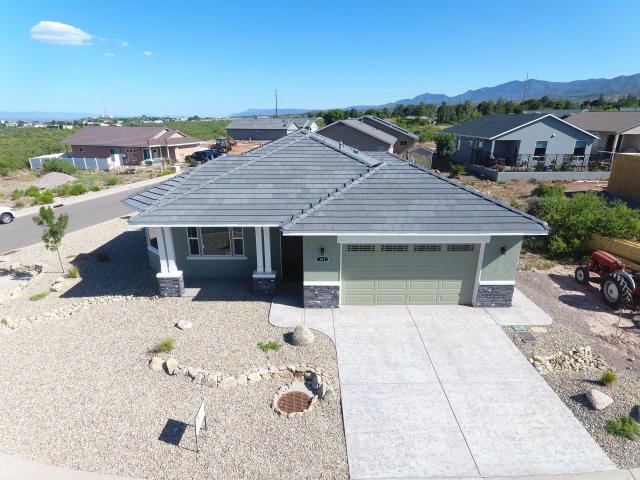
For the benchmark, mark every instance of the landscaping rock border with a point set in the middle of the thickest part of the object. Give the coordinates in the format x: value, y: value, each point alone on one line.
x: 576, y: 359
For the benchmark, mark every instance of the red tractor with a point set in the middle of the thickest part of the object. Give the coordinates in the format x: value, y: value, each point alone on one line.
x: 619, y: 288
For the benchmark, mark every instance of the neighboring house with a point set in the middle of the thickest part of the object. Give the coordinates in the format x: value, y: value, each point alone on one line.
x: 422, y: 155
x: 560, y: 113
x: 618, y: 131
x: 405, y: 138
x: 625, y: 176
x: 260, y: 128
x: 536, y: 146
x: 359, y: 135
x: 133, y: 144
x: 348, y: 227
x: 306, y: 123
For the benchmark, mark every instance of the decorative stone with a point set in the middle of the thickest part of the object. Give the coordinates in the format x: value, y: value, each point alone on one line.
x: 266, y: 376
x: 171, y: 365
x: 184, y: 325
x: 199, y: 379
x: 286, y: 374
x: 291, y: 367
x: 254, y: 377
x: 242, y: 379
x: 328, y: 395
x: 599, y: 400
x: 156, y: 364
x: 228, y: 382
x: 302, y: 336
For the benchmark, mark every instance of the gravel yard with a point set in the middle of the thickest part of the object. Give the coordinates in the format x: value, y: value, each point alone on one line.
x: 79, y: 392
x: 581, y: 318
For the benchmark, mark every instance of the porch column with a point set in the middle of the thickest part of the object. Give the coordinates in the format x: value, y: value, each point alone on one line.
x: 264, y: 279
x: 170, y: 279
x: 267, y: 249
x: 615, y: 143
x: 259, y: 256
x: 493, y: 144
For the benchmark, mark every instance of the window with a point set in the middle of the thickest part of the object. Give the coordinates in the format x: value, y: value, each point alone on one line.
x: 152, y: 238
x: 258, y: 133
x: 81, y: 149
x: 403, y: 142
x: 427, y: 248
x: 394, y: 248
x: 112, y: 151
x: 541, y: 149
x: 462, y: 247
x: 580, y: 148
x: 215, y: 241
x: 361, y: 248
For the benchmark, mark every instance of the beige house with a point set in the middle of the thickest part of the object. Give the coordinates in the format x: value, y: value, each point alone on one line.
x: 618, y: 131
x: 133, y: 144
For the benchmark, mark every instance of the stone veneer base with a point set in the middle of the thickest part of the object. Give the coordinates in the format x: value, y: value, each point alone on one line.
x: 321, y: 296
x: 494, y: 295
x: 264, y: 284
x: 170, y: 284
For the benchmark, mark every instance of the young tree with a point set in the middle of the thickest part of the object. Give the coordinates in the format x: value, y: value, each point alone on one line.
x: 445, y: 145
x: 54, y: 228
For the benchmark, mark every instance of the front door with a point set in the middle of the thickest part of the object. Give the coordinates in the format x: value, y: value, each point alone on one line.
x: 292, y: 267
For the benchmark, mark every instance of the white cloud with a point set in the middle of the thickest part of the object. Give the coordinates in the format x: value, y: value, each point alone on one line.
x: 109, y: 54
x: 59, y: 34
x: 124, y: 44
x: 147, y: 53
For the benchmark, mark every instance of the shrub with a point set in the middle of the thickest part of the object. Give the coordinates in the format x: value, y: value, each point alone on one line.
x: 165, y: 345
x: 32, y: 191
x: 94, y: 188
x: 19, y: 204
x: 44, y: 198
x: 165, y: 172
x: 608, y: 378
x: 445, y: 145
x: 77, y: 189
x: 624, y: 426
x: 58, y: 165
x: 38, y: 296
x: 455, y: 170
x: 73, y: 272
x: 111, y: 180
x: 548, y: 190
x: 270, y: 345
x: 16, y: 194
x: 103, y: 257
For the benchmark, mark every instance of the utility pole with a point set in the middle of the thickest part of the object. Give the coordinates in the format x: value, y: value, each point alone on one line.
x: 276, y: 90
x: 524, y: 93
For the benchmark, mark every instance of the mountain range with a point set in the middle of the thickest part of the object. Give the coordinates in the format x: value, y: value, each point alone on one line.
x: 513, y: 90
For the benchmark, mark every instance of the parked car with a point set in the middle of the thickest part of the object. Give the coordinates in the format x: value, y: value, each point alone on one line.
x: 6, y: 215
x: 203, y: 156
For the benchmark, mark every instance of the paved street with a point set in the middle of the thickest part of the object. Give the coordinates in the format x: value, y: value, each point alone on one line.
x: 23, y: 232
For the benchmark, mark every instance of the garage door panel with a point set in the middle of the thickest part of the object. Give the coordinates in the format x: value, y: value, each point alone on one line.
x: 408, y: 277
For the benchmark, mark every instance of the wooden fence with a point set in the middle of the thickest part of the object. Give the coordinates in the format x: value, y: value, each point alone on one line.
x: 627, y: 250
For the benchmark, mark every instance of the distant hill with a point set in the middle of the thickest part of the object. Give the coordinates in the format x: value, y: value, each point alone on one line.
x: 578, y: 89
x: 257, y: 112
x: 41, y: 116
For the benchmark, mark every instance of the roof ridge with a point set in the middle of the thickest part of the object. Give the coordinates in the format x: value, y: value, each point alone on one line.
x: 356, y: 155
x: 211, y: 180
x: 332, y: 196
x: 481, y: 195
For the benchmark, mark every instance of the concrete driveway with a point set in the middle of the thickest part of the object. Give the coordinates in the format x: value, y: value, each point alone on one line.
x: 442, y: 392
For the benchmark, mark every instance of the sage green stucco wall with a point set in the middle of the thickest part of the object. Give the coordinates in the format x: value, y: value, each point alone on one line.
x: 497, y: 266
x: 321, y: 271
x: 154, y: 260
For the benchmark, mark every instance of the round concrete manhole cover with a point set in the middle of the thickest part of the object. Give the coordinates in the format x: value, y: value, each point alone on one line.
x: 294, y: 402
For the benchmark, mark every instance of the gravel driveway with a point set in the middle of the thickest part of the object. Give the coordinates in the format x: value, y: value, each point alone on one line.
x: 78, y: 391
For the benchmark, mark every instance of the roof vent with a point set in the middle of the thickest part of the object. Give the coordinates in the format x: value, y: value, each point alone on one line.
x: 340, y: 145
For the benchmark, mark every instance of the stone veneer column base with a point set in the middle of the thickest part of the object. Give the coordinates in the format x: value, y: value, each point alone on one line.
x: 494, y: 295
x: 264, y: 283
x: 321, y: 296
x: 170, y: 284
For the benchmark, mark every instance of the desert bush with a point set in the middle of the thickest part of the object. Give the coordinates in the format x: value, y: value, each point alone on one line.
x: 608, y: 378
x: 548, y: 190
x: 73, y: 272
x: 165, y: 345
x: 17, y: 194
x: 111, y: 180
x: 94, y: 187
x: 38, y: 296
x: 625, y: 427
x: 77, y: 189
x: 43, y: 198
x: 455, y: 170
x: 270, y: 345
x: 32, y: 191
x: 58, y: 165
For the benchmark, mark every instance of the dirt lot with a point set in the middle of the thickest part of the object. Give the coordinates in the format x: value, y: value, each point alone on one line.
x: 244, y: 146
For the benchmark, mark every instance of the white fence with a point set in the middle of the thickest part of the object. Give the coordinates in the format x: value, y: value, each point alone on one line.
x: 105, y: 164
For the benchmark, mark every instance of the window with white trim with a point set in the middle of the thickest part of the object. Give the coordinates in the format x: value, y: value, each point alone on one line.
x: 427, y: 248
x: 215, y: 241
x: 460, y: 247
x: 361, y: 248
x: 152, y: 238
x: 394, y: 248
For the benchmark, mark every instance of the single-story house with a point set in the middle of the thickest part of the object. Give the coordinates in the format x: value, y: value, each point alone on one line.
x: 537, y: 146
x: 260, y: 128
x: 305, y: 123
x: 406, y: 139
x: 348, y: 227
x: 132, y: 144
x: 359, y: 135
x: 618, y: 131
x: 422, y: 155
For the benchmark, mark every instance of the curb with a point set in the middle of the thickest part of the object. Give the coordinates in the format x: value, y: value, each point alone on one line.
x: 60, y: 202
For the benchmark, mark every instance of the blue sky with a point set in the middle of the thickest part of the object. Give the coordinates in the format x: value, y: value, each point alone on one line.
x: 222, y: 57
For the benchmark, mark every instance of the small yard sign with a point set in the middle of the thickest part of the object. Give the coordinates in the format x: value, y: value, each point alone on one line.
x: 201, y: 418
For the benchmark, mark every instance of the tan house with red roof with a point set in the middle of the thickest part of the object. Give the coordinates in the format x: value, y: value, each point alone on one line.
x: 133, y: 144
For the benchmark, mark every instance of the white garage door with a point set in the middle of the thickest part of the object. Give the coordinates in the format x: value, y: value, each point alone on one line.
x: 408, y: 274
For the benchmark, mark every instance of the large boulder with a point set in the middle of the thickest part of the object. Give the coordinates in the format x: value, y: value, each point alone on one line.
x: 599, y: 400
x: 302, y: 335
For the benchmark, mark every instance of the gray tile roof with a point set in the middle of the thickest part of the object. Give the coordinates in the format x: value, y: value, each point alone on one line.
x: 308, y: 183
x: 387, y: 123
x: 128, y: 137
x: 261, y: 123
x: 302, y: 122
x: 368, y: 129
x: 491, y: 126
x: 610, y: 122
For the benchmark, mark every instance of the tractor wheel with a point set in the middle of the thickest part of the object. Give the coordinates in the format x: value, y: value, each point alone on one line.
x: 582, y: 275
x: 616, y: 292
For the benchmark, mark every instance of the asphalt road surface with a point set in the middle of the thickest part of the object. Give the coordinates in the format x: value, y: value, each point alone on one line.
x: 23, y: 232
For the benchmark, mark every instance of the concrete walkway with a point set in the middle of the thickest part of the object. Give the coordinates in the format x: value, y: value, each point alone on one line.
x: 441, y: 391
x: 14, y: 468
